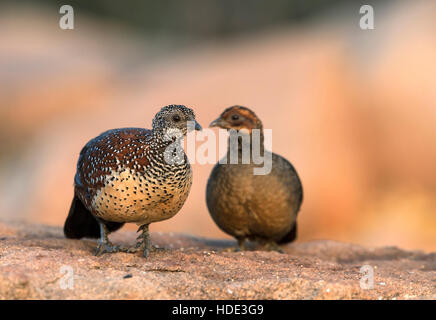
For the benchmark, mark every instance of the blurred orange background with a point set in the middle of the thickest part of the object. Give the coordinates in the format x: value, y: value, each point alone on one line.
x: 353, y: 110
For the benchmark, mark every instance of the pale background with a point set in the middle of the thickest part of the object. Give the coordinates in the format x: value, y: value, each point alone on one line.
x: 353, y: 110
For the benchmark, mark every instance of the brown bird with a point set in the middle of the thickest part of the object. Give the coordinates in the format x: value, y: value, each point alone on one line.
x: 262, y: 208
x: 131, y: 175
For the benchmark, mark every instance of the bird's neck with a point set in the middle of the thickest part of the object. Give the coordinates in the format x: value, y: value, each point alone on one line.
x: 243, y: 142
x: 164, y: 138
x: 167, y: 148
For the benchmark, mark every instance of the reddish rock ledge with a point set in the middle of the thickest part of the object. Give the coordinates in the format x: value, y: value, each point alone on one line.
x: 37, y: 262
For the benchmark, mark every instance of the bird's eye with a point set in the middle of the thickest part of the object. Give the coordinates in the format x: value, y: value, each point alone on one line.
x: 176, y: 118
x: 235, y: 117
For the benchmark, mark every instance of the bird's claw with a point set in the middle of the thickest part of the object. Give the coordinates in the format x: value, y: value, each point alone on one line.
x: 272, y: 246
x: 140, y: 247
x: 107, y: 247
x: 146, y: 252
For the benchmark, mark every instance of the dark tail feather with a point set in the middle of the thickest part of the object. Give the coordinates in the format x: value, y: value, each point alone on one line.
x: 81, y: 223
x: 291, y: 236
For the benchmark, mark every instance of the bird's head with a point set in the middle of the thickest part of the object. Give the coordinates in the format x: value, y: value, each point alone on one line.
x: 238, y: 118
x: 175, y: 120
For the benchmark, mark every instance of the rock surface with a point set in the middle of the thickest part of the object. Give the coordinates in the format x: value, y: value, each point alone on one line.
x: 36, y: 263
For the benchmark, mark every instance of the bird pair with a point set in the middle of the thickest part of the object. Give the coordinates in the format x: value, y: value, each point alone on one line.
x: 123, y: 176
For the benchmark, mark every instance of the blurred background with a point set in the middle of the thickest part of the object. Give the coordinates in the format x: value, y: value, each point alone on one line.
x: 353, y: 110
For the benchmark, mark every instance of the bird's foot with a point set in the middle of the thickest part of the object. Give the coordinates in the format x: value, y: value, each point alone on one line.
x: 146, y: 252
x: 151, y: 248
x: 107, y: 247
x: 104, y: 245
x: 140, y: 247
x: 273, y: 246
x: 136, y: 248
x: 239, y: 248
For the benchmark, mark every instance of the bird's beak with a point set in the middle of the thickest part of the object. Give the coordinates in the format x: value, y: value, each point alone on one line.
x: 219, y: 122
x: 197, y: 126
x: 193, y: 125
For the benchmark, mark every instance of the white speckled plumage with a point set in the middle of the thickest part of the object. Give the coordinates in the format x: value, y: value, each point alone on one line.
x: 123, y: 176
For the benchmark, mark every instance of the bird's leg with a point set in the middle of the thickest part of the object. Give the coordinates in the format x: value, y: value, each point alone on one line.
x: 145, y: 242
x: 104, y: 245
x: 241, y: 244
x: 140, y: 244
x: 240, y: 247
